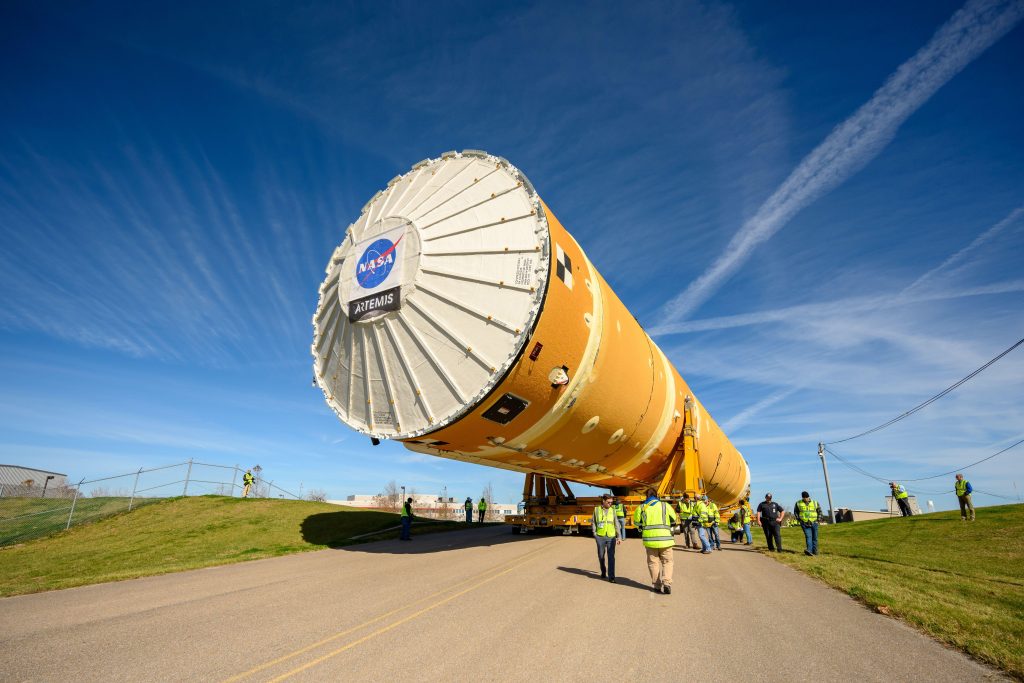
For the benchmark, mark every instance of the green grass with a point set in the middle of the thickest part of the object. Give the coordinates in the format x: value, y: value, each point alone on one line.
x: 22, y: 519
x: 962, y: 583
x: 187, y: 533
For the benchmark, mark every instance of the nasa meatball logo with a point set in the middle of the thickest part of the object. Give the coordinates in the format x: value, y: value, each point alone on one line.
x: 376, y: 263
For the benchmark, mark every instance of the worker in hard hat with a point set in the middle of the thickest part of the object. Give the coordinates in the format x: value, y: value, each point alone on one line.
x: 620, y: 517
x: 469, y: 510
x: 247, y: 480
x: 808, y: 512
x: 608, y: 534
x: 899, y: 493
x: 703, y: 512
x: 481, y: 509
x: 963, y: 490
x: 655, y: 518
x: 686, y: 518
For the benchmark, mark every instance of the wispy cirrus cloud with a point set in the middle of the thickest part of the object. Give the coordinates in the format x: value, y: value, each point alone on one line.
x: 859, y: 139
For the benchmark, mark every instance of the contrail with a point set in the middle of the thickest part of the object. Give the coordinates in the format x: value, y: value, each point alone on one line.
x: 851, y: 145
x: 959, y: 256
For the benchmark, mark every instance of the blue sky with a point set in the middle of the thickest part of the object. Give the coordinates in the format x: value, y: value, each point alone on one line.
x: 817, y: 209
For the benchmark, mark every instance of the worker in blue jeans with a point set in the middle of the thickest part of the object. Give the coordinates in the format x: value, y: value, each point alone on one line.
x: 808, y: 512
x: 469, y: 510
x: 406, y: 521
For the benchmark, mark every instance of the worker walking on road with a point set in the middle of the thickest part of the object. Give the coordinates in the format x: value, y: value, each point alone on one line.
x: 703, y: 513
x: 481, y: 509
x: 686, y: 515
x: 769, y: 516
x: 808, y: 512
x: 608, y: 534
x: 899, y: 492
x: 247, y: 480
x: 469, y: 510
x: 406, y: 521
x: 963, y: 490
x: 655, y: 518
x: 620, y: 517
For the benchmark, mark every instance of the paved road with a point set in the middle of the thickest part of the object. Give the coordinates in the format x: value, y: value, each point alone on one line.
x: 481, y: 605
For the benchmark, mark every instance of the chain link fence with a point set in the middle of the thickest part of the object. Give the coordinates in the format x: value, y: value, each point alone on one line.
x: 28, y: 512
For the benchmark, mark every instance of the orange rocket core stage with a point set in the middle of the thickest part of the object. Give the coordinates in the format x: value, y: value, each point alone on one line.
x: 620, y: 416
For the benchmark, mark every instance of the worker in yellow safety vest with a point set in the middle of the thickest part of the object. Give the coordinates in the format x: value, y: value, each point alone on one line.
x: 808, y: 512
x: 899, y: 493
x: 620, y: 517
x: 745, y: 517
x: 703, y: 513
x: 713, y: 537
x: 735, y: 528
x: 605, y: 525
x: 247, y: 480
x: 654, y: 518
x: 469, y: 510
x: 481, y: 509
x: 687, y: 522
x: 963, y: 490
x: 406, y: 521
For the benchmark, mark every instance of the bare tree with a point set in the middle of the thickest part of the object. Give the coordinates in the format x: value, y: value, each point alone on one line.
x: 391, y: 497
x: 317, y: 495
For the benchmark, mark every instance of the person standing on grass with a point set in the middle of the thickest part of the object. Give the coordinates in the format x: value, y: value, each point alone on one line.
x: 469, y: 510
x: 406, y: 521
x: 247, y: 480
x: 608, y: 534
x: 899, y: 492
x: 745, y: 517
x: 963, y: 490
x: 481, y: 508
x: 769, y: 516
x: 808, y: 512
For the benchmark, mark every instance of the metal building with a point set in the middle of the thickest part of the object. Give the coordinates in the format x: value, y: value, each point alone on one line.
x: 16, y: 480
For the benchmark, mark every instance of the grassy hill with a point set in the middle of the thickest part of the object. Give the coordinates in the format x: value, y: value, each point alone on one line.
x: 187, y: 533
x: 22, y: 519
x: 960, y: 582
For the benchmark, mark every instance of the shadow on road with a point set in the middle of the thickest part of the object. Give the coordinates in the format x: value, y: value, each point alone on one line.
x: 619, y: 580
x: 354, y: 531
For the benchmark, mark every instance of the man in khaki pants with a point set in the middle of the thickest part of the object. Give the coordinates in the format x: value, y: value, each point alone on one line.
x: 655, y: 519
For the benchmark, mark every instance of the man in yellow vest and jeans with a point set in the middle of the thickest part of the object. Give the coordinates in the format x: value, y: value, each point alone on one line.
x: 655, y: 519
x: 686, y: 513
x: 808, y: 512
x: 963, y: 490
x: 604, y: 523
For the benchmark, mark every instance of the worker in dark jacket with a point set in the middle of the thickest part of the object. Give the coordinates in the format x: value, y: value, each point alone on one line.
x: 406, y: 520
x: 469, y: 510
x: 963, y: 490
x: 769, y: 516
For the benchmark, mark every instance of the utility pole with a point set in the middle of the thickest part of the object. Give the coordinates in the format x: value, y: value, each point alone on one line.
x: 828, y: 487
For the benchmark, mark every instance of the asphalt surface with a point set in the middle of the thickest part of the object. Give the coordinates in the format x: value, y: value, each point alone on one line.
x: 481, y: 605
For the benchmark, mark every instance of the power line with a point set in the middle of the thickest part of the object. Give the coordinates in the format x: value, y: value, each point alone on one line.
x: 934, y: 398
x: 934, y: 476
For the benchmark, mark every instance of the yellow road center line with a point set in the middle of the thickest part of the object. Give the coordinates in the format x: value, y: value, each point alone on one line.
x: 409, y: 618
x: 342, y: 634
